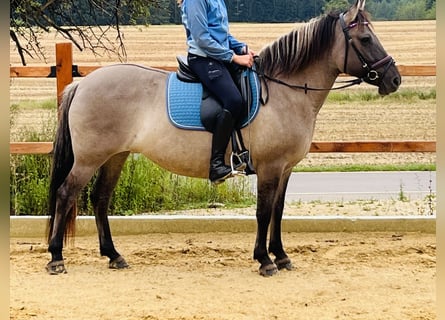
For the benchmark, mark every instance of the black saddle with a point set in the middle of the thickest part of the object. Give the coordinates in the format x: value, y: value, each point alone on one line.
x: 184, y: 72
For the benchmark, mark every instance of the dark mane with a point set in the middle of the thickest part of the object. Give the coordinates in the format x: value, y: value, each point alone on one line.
x: 302, y: 46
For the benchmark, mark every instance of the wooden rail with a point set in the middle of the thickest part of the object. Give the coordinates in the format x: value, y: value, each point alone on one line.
x: 316, y: 147
x: 81, y: 71
x: 64, y: 71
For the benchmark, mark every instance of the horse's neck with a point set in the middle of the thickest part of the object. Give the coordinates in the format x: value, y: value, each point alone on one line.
x: 316, y: 76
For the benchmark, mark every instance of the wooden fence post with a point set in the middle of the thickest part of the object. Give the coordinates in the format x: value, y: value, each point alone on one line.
x: 64, y: 69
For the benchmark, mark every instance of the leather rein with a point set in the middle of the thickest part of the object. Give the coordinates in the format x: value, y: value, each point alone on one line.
x: 371, y: 73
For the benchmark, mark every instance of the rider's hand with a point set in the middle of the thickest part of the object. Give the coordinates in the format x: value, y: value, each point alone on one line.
x: 245, y: 60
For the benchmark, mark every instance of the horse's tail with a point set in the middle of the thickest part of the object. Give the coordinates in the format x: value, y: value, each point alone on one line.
x: 62, y: 162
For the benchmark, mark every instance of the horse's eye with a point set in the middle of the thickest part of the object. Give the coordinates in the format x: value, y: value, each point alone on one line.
x: 365, y: 39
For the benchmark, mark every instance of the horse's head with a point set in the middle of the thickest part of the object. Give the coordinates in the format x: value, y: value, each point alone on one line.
x: 364, y: 55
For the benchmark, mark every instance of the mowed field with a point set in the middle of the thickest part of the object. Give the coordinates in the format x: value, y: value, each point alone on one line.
x: 409, y: 42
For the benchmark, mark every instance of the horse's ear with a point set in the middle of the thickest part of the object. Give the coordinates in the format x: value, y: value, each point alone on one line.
x: 351, y: 14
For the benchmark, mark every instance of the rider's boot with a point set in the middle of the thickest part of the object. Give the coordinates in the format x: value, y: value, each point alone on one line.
x: 219, y: 171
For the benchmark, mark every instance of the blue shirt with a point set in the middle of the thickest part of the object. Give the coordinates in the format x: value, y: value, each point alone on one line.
x: 207, y: 29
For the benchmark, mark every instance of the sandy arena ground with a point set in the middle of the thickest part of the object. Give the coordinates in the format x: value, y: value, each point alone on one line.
x: 212, y: 276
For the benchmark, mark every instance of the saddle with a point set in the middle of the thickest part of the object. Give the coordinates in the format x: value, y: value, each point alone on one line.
x: 210, y: 107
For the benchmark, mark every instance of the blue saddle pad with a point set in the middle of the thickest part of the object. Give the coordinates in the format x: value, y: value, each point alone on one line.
x: 184, y: 102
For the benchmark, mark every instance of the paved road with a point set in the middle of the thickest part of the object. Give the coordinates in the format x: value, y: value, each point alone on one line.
x: 349, y: 186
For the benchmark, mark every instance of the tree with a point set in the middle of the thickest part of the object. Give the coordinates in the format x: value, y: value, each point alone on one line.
x: 84, y: 22
x: 382, y: 10
x: 412, y: 10
x: 336, y: 5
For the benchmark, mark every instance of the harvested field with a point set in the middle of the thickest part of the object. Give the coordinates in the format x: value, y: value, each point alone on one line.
x: 409, y: 42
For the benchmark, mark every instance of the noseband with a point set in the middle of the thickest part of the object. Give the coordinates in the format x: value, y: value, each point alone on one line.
x: 372, y: 74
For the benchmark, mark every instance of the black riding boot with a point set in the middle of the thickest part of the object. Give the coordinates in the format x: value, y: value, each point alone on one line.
x: 219, y: 171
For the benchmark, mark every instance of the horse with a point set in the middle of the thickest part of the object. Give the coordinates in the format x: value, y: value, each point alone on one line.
x: 120, y: 109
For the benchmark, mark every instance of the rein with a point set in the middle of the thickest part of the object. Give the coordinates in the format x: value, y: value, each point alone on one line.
x: 305, y: 87
x: 371, y: 73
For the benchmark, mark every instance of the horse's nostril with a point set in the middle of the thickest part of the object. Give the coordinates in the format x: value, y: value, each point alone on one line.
x: 396, y: 81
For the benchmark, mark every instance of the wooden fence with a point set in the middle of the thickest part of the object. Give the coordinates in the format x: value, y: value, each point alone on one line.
x: 64, y: 71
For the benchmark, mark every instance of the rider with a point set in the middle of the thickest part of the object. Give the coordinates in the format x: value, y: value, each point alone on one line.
x: 211, y: 50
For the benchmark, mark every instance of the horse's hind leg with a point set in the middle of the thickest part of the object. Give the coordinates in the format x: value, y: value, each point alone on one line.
x: 65, y: 214
x: 100, y: 197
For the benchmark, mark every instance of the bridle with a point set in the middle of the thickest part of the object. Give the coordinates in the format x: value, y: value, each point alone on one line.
x: 372, y: 74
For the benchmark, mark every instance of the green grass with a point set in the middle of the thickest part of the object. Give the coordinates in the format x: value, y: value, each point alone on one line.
x: 143, y: 187
x: 368, y: 167
x: 48, y: 104
x: 402, y: 95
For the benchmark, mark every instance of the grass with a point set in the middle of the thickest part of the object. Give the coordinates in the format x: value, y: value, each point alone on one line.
x: 368, y: 167
x: 143, y: 187
x: 400, y: 96
x: 47, y: 104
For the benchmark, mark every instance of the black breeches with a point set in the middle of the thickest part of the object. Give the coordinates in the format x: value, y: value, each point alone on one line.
x: 216, y: 77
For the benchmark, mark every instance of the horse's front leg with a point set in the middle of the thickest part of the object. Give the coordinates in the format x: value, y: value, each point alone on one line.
x: 100, y: 197
x: 266, y: 188
x: 282, y: 261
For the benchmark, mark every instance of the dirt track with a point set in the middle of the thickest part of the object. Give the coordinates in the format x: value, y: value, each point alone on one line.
x: 212, y: 276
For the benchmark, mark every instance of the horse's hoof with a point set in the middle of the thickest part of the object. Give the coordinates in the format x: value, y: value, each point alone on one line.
x: 56, y: 267
x: 118, y: 263
x: 284, y: 263
x: 268, y: 270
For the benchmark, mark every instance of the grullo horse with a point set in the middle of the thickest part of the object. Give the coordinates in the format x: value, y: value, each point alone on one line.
x: 119, y: 109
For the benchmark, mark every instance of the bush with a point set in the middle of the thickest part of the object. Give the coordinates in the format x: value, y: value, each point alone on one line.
x: 29, y: 184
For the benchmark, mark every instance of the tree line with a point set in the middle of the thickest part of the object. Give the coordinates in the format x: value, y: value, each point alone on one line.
x: 271, y: 11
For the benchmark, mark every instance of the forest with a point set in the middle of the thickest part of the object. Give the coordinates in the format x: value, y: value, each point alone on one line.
x: 166, y: 11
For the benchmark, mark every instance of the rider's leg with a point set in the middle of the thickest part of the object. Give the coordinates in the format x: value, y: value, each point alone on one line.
x: 217, y: 79
x: 219, y: 171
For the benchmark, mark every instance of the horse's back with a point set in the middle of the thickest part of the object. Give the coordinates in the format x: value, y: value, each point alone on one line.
x: 115, y: 102
x: 123, y: 108
x: 121, y: 78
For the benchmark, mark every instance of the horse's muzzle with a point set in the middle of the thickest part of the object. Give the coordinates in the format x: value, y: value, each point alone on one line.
x: 390, y: 83
x: 389, y: 79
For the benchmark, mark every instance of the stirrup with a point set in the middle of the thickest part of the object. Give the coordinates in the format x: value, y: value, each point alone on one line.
x: 232, y: 174
x: 237, y: 163
x: 242, y: 162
